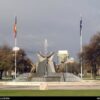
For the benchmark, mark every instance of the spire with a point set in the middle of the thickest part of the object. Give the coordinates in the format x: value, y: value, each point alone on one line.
x: 45, y: 46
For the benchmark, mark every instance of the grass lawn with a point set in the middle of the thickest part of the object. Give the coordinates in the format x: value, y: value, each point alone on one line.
x: 49, y: 92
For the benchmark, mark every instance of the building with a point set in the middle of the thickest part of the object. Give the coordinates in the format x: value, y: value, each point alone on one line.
x: 63, y: 56
x: 70, y: 60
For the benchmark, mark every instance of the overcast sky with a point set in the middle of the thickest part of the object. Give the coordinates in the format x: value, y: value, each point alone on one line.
x: 56, y: 20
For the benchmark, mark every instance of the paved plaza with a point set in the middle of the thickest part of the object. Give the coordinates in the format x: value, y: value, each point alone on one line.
x: 89, y: 84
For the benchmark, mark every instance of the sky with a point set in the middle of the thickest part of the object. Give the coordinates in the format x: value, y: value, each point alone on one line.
x: 58, y: 21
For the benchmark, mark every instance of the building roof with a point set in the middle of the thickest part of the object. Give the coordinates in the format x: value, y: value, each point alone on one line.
x: 62, y: 52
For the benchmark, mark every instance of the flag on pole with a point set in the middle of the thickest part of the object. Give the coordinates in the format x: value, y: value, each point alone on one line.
x: 81, y: 26
x: 81, y: 62
x: 15, y: 28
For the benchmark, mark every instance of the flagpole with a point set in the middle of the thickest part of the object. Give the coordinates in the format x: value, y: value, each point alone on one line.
x: 15, y: 57
x: 15, y: 39
x: 81, y: 60
x: 81, y: 56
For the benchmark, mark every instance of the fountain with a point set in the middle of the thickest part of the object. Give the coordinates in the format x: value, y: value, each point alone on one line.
x: 45, y: 71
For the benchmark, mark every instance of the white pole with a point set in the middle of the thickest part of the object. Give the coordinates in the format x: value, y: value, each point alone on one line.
x: 81, y: 52
x: 81, y: 45
x: 91, y: 73
x: 15, y: 57
x: 15, y: 32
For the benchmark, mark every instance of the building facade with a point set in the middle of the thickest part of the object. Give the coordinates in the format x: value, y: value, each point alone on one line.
x: 63, y: 56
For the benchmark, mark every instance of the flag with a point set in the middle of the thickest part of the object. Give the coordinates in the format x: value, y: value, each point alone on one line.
x: 15, y: 28
x: 80, y: 26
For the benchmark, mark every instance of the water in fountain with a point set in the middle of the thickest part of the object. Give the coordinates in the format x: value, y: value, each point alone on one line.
x: 69, y: 77
x: 54, y: 77
x: 22, y: 78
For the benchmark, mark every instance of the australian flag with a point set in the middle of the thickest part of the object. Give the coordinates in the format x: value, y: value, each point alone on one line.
x: 80, y: 26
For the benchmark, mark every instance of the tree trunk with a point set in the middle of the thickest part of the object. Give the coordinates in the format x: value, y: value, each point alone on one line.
x: 1, y: 72
x: 94, y: 71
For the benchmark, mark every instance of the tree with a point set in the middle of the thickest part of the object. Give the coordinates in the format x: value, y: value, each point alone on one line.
x: 91, y: 53
x: 73, y: 68
x: 7, y: 61
x: 23, y: 62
